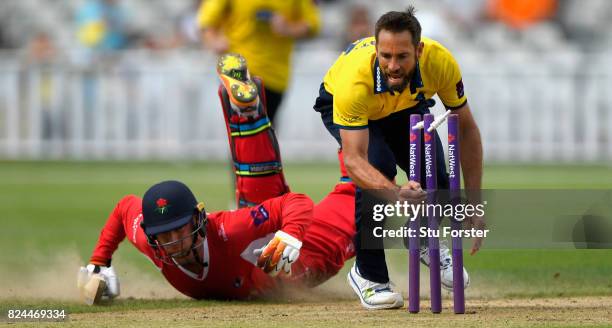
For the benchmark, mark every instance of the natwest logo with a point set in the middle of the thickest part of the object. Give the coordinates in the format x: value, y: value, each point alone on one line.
x: 452, y: 160
x: 428, y: 161
x: 413, y: 159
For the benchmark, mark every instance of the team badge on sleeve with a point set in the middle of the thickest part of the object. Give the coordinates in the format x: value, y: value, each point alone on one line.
x: 459, y: 87
x: 259, y: 215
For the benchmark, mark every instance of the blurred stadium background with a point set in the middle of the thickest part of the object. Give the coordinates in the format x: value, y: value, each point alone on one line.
x: 537, y: 76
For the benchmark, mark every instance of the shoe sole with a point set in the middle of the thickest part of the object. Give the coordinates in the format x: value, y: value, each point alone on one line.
x: 366, y: 305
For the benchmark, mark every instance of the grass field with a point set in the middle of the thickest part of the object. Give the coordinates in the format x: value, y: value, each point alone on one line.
x: 52, y: 213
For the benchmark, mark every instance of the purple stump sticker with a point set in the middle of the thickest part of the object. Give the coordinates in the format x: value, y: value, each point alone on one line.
x: 433, y: 242
x: 454, y: 174
x: 413, y: 241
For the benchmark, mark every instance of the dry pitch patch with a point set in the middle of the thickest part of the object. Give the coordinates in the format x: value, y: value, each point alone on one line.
x: 555, y: 312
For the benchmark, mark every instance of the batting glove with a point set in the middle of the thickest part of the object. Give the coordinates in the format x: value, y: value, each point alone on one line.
x: 278, y: 255
x: 97, y: 283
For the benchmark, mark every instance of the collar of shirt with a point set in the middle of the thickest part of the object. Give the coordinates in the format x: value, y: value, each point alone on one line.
x: 380, y: 85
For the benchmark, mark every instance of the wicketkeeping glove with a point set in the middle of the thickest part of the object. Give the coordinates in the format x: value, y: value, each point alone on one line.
x: 97, y: 283
x: 278, y: 255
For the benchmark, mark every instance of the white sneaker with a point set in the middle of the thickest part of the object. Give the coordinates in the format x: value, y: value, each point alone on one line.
x: 446, y: 266
x: 374, y: 295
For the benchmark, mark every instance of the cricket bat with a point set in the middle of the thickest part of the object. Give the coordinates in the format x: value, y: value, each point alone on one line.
x: 91, y: 287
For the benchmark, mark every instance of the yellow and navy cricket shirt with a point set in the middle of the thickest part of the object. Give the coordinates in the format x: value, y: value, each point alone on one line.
x: 246, y: 24
x: 360, y: 92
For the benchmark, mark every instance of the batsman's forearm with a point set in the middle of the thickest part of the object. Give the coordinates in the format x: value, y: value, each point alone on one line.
x: 365, y: 175
x: 471, y: 158
x: 296, y: 214
x: 110, y: 237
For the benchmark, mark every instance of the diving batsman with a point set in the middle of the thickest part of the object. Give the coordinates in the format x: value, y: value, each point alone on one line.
x: 276, y: 239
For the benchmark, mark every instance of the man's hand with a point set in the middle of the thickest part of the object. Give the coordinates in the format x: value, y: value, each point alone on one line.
x: 282, y: 251
x: 474, y: 197
x: 412, y: 192
x: 215, y: 41
x: 478, y: 223
x: 97, y: 283
x: 282, y: 27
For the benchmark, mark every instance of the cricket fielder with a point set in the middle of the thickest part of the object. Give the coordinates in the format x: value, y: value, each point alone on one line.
x: 365, y: 102
x: 264, y: 32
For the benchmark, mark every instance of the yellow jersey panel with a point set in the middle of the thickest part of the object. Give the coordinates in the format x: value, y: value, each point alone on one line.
x: 361, y: 94
x: 246, y: 25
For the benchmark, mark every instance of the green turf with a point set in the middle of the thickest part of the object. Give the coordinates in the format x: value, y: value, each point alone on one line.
x: 547, y: 177
x: 51, y: 206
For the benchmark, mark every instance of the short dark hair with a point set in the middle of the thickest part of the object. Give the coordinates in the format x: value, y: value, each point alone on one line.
x: 400, y: 21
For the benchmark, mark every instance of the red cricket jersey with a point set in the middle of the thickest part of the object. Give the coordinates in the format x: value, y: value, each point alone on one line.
x: 232, y: 236
x: 328, y: 242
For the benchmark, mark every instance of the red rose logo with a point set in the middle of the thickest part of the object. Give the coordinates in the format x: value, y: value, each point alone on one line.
x: 162, y: 206
x: 413, y: 137
x: 451, y: 138
x: 427, y: 137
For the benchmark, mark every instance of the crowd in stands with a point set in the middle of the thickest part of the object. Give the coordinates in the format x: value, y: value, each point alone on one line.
x: 104, y: 25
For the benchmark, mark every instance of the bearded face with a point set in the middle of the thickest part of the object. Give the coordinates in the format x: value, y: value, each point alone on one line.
x: 397, y: 57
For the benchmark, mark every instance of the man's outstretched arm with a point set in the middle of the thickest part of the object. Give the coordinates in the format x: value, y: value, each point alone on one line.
x: 98, y: 279
x: 111, y: 236
x: 123, y: 222
x: 355, y: 151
